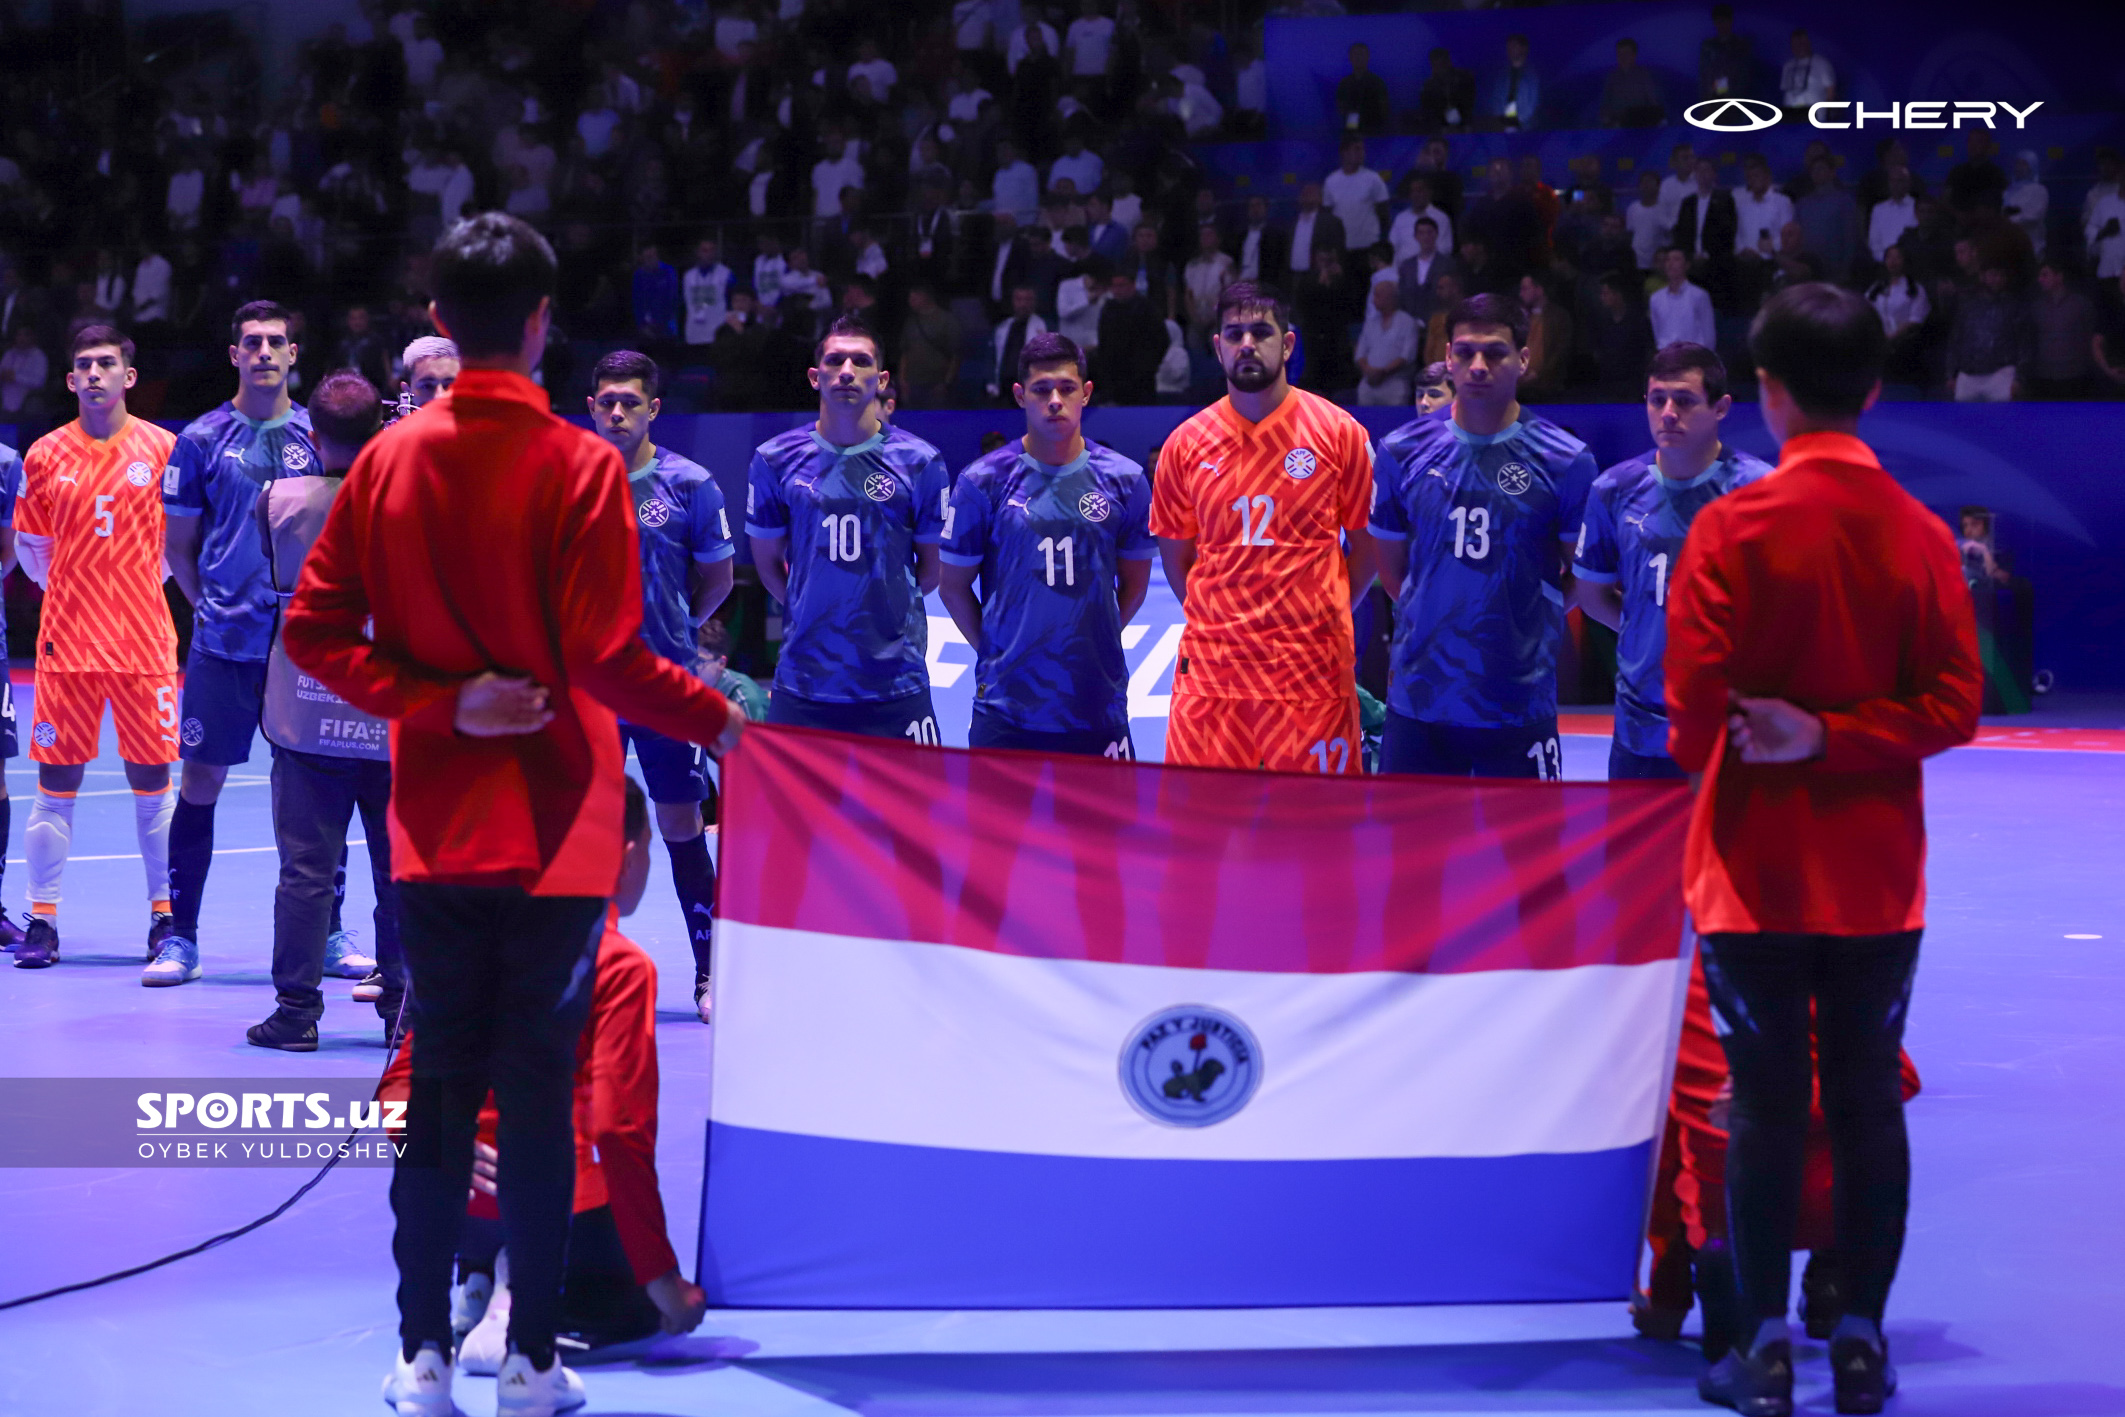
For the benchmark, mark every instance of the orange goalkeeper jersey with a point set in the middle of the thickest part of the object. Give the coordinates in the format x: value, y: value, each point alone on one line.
x: 1268, y: 601
x: 101, y: 504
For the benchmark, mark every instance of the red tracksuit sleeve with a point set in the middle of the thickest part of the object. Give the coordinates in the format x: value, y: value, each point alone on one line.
x: 600, y: 617
x: 324, y: 628
x: 1700, y: 643
x: 623, y: 1110
x: 1942, y: 688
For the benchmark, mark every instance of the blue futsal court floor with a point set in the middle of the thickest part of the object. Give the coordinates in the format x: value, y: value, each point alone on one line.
x: 2009, y: 1304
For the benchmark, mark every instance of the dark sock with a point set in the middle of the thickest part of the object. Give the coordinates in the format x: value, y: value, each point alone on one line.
x: 339, y: 891
x: 411, y: 1347
x: 7, y: 818
x: 191, y: 852
x: 693, y: 874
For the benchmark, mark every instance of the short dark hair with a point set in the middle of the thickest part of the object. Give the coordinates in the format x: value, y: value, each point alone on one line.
x: 1424, y: 221
x: 1436, y: 372
x: 1824, y: 343
x: 1627, y: 43
x: 1486, y: 309
x: 1675, y: 360
x: 1049, y: 348
x: 634, y: 816
x: 488, y: 275
x: 1253, y: 295
x: 346, y: 409
x: 97, y: 336
x: 714, y: 638
x: 849, y: 327
x: 623, y: 365
x: 260, y: 312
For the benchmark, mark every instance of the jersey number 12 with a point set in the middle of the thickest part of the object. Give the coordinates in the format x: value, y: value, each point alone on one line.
x: 1255, y: 532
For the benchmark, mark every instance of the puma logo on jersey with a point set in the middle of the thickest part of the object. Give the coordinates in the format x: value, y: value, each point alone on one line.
x: 1434, y: 472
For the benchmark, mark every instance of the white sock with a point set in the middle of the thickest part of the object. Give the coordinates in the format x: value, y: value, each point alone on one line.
x: 151, y: 824
x: 45, y: 844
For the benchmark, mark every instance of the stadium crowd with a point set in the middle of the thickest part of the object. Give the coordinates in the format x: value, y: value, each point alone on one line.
x: 721, y: 182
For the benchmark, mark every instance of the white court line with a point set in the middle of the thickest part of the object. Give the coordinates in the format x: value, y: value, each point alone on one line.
x: 128, y: 792
x: 218, y: 851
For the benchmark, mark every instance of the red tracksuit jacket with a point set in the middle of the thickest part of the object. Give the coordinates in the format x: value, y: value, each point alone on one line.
x: 1827, y: 585
x: 486, y: 533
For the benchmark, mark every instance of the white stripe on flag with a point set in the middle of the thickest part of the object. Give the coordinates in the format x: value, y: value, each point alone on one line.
x: 935, y: 1045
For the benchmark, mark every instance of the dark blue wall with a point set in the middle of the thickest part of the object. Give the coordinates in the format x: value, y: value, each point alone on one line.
x: 2054, y: 474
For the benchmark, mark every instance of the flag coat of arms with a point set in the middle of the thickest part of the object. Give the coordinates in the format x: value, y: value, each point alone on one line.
x: 1017, y: 1031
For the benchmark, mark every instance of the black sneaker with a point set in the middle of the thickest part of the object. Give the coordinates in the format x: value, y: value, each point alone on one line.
x: 284, y: 1031
x: 10, y: 932
x: 161, y: 925
x: 1864, y: 1378
x: 40, y: 945
x: 1822, y: 1297
x: 1758, y: 1384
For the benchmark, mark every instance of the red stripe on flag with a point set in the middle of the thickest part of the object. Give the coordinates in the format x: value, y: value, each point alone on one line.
x: 1080, y: 858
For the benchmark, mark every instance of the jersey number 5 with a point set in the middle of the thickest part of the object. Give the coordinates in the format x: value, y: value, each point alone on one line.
x: 103, y: 514
x: 1255, y: 513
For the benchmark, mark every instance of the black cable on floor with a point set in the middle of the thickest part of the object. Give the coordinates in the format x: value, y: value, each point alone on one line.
x: 225, y: 1236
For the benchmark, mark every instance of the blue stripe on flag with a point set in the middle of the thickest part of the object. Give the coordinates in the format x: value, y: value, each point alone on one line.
x: 819, y: 1222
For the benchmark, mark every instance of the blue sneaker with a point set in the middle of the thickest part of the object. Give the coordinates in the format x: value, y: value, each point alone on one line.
x: 40, y: 945
x: 177, y: 964
x: 343, y: 960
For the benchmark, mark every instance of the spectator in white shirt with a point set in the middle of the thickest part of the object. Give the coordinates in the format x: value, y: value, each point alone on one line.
x: 971, y: 20
x: 1081, y: 166
x: 1679, y: 310
x: 151, y: 289
x: 1402, y: 235
x: 838, y: 169
x: 424, y: 56
x: 2105, y: 231
x: 187, y: 190
x: 1680, y: 181
x: 874, y: 67
x: 1080, y: 300
x: 1647, y: 219
x: 1355, y: 193
x: 1893, y: 215
x: 1015, y: 52
x: 1387, y: 350
x: 1016, y: 186
x: 1090, y: 41
x: 1808, y: 77
x: 597, y: 123
x: 1189, y: 100
x: 1127, y: 208
x: 870, y: 256
x: 1761, y: 209
x: 769, y: 267
x: 1209, y: 271
x: 705, y: 291
x: 2027, y: 202
x: 1898, y: 299
x: 1250, y: 86
x: 23, y: 370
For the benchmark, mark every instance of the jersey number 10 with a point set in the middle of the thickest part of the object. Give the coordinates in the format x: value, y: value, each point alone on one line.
x: 844, y: 537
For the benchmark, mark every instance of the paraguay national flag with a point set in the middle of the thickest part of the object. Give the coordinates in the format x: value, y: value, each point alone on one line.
x: 1005, y: 1030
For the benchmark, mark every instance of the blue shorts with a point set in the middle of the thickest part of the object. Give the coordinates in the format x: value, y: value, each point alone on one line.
x: 671, y: 770
x: 1453, y: 750
x: 988, y: 731
x: 1625, y: 764
x: 911, y: 716
x: 219, y: 715
x: 8, y: 746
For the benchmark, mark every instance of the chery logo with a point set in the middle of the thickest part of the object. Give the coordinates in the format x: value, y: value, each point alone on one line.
x: 1750, y: 115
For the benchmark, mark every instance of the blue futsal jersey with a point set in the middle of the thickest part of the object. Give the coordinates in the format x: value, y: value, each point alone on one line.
x: 220, y: 462
x: 1482, y: 602
x: 856, y: 631
x: 680, y: 517
x: 1049, y: 541
x: 1636, y: 522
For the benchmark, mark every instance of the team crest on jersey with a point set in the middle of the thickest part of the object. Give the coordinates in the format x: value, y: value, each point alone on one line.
x: 195, y: 732
x: 1190, y: 1066
x: 880, y: 487
x: 1299, y: 464
x: 44, y: 735
x: 1514, y: 478
x: 139, y: 474
x: 294, y: 456
x: 654, y: 512
x: 1094, y: 507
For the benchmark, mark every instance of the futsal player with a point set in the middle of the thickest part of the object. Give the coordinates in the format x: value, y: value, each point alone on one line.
x: 1254, y: 500
x: 431, y: 366
x: 209, y: 492
x: 89, y: 529
x: 687, y: 565
x: 1637, y: 517
x: 844, y: 516
x: 1476, y: 514
x: 10, y: 490
x: 1435, y: 388
x: 1057, y: 531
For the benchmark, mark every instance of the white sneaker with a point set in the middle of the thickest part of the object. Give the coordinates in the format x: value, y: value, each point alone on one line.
x: 177, y: 963
x: 468, y: 1302
x: 420, y: 1388
x: 521, y: 1390
x: 487, y: 1343
x: 343, y: 960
